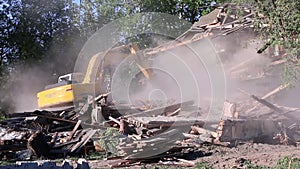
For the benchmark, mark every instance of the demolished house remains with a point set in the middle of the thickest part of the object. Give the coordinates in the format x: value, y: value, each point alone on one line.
x: 150, y: 131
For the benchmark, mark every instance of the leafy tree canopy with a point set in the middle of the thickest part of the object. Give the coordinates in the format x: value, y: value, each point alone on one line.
x: 278, y: 22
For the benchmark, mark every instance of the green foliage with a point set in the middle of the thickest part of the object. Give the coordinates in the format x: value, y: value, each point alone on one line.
x: 190, y: 10
x: 289, y: 72
x: 278, y: 22
x: 5, y: 84
x: 109, y: 140
x: 34, y: 34
x: 203, y: 165
x: 6, y: 163
x: 93, y: 14
x: 252, y: 166
x: 93, y: 155
x: 162, y: 167
x: 30, y: 28
x: 38, y: 23
x: 2, y: 116
x: 288, y: 162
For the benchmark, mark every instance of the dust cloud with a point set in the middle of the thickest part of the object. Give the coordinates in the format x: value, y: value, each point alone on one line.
x: 182, y: 74
x: 30, y: 78
x: 178, y: 74
x: 27, y: 85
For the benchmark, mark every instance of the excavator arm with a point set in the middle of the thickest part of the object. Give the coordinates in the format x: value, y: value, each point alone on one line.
x: 93, y: 83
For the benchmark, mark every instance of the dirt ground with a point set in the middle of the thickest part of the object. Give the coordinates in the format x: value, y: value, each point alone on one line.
x: 257, y: 154
x: 219, y: 157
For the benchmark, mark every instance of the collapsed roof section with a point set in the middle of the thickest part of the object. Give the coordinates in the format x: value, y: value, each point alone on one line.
x: 223, y: 20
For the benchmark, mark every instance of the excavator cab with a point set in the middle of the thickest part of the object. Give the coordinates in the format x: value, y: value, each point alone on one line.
x: 75, y: 88
x: 60, y: 93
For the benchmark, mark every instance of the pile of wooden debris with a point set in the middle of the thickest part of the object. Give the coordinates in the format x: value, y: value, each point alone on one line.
x: 138, y: 135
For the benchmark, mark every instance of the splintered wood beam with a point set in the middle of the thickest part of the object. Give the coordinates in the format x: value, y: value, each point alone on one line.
x: 249, y: 130
x: 84, y: 139
x: 174, y: 113
x: 268, y: 104
x: 123, y: 126
x: 69, y: 121
x: 269, y: 94
x: 57, y: 119
x: 199, y: 137
x: 74, y: 130
x: 160, y: 110
x: 238, y: 20
x: 276, y: 90
x: 162, y: 124
x: 204, y: 131
x: 114, y: 120
x: 190, y: 163
x: 278, y: 62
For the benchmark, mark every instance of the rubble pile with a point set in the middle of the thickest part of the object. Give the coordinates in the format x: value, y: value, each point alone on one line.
x: 139, y: 134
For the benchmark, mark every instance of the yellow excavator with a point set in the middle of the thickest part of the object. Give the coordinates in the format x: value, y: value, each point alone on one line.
x: 75, y: 87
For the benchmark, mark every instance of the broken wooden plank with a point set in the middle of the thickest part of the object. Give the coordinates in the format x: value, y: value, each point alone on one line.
x: 114, y: 120
x: 187, y: 162
x: 85, y: 138
x: 276, y: 90
x: 269, y: 94
x: 161, y: 110
x: 174, y: 113
x: 229, y: 110
x: 199, y: 138
x: 247, y: 130
x: 57, y: 119
x: 204, y: 131
x: 74, y: 130
x: 278, y: 62
x: 268, y: 104
x: 124, y: 128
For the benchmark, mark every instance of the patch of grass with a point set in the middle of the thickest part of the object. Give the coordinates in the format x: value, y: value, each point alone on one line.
x: 2, y: 116
x: 203, y: 165
x: 93, y: 155
x: 60, y: 160
x: 6, y: 163
x: 288, y: 162
x: 162, y: 167
x: 251, y: 166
